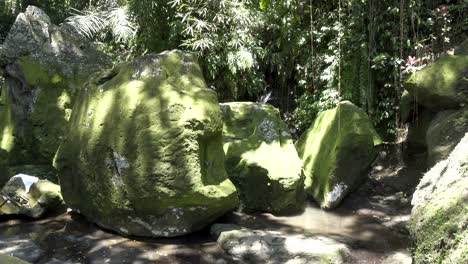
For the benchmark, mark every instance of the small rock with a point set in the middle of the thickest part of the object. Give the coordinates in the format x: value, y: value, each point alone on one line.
x: 400, y: 257
x: 56, y: 261
x: 255, y: 246
x: 27, y: 195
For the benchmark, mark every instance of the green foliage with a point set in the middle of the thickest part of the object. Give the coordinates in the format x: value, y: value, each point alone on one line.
x: 264, y: 4
x: 98, y: 23
x: 309, y: 105
x: 223, y: 33
x: 158, y: 29
x: 109, y: 23
x: 293, y: 49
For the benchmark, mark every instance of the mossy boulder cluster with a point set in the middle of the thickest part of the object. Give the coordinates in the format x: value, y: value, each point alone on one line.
x: 44, y: 66
x: 144, y: 153
x: 439, y: 217
x: 261, y: 158
x: 336, y: 152
x: 438, y: 122
x: 435, y: 106
x: 29, y: 196
x: 144, y: 148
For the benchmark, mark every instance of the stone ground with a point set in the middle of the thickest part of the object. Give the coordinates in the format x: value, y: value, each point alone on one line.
x: 370, y: 221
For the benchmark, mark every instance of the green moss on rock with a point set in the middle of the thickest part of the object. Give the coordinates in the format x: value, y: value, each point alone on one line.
x: 336, y: 151
x: 462, y: 49
x: 439, y: 217
x: 11, y: 260
x: 7, y: 125
x: 45, y: 66
x: 144, y: 152
x: 417, y: 130
x: 444, y: 132
x: 441, y: 84
x: 4, y: 171
x: 261, y: 159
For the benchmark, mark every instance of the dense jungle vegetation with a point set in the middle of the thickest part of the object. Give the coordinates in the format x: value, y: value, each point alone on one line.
x: 234, y: 131
x: 302, y: 56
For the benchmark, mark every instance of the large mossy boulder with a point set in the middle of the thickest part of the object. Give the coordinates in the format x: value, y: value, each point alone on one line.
x: 444, y: 132
x: 441, y: 84
x: 45, y: 66
x: 144, y: 154
x: 29, y: 196
x: 336, y: 152
x: 439, y: 217
x: 261, y: 159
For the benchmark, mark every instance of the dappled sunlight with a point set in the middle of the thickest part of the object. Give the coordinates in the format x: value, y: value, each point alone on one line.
x: 268, y: 132
x: 7, y: 141
x: 141, y: 145
x: 336, y: 151
x: 261, y: 159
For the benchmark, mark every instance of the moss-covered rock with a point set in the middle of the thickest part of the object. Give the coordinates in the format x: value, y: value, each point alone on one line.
x: 27, y: 195
x: 445, y: 131
x: 45, y: 66
x: 4, y: 170
x: 269, y: 247
x: 439, y: 217
x: 336, y: 151
x: 462, y: 49
x: 441, y: 84
x: 261, y: 159
x: 144, y: 153
x: 11, y: 260
x: 407, y: 105
x: 417, y: 130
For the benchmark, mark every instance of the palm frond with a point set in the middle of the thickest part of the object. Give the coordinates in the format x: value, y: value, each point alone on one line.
x: 120, y: 24
x: 88, y: 23
x: 97, y: 23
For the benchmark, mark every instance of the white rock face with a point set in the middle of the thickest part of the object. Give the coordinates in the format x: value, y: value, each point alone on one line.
x: 27, y: 180
x: 255, y: 246
x: 27, y: 195
x: 440, y: 212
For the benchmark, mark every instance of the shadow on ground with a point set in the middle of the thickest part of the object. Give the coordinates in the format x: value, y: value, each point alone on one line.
x: 359, y: 223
